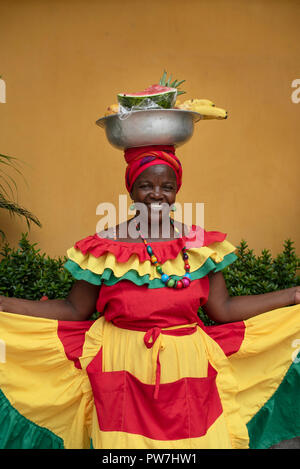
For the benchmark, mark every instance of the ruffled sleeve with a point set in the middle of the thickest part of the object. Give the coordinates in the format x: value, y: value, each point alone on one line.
x: 102, y: 260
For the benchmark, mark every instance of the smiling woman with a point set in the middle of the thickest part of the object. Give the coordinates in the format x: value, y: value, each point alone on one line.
x: 148, y: 373
x: 155, y: 188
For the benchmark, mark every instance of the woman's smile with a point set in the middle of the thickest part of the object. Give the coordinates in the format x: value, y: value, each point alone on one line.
x: 156, y: 188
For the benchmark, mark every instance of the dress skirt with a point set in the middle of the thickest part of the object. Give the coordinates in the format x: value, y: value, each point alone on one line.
x: 91, y: 384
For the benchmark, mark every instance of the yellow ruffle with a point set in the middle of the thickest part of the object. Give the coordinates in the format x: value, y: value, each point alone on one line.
x: 197, y: 258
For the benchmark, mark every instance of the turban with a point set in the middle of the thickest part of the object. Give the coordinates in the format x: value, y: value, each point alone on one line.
x: 140, y: 158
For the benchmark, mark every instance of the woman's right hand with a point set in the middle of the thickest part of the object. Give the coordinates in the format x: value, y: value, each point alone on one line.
x: 78, y: 306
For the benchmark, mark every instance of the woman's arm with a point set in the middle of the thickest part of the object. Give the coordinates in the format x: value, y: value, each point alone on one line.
x: 222, y: 308
x: 78, y: 306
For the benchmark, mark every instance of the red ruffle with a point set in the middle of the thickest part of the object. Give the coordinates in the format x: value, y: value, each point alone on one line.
x: 164, y: 250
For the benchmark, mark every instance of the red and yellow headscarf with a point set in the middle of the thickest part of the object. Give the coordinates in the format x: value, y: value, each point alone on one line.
x: 140, y: 158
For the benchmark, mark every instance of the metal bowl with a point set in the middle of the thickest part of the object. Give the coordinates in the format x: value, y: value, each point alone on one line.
x: 149, y: 127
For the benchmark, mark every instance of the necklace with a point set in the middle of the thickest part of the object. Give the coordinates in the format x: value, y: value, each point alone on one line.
x: 170, y: 282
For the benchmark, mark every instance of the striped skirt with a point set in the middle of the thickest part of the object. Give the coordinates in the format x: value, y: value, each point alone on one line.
x: 92, y: 384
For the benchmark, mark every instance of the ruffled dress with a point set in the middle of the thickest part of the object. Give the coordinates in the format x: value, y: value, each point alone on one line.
x: 148, y: 374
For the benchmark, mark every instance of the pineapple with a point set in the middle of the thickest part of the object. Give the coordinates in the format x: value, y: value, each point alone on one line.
x: 164, y: 82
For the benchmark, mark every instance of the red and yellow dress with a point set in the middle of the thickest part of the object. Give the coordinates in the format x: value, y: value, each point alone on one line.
x: 148, y: 373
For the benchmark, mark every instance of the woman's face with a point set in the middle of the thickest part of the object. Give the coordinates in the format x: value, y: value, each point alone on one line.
x: 153, y: 187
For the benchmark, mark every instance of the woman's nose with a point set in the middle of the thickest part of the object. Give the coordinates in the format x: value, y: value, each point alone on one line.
x: 156, y: 193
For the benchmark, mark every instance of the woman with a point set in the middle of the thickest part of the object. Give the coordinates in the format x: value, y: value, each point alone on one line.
x: 148, y: 373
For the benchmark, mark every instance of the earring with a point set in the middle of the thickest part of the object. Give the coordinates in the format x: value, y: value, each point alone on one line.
x: 173, y: 208
x: 132, y: 207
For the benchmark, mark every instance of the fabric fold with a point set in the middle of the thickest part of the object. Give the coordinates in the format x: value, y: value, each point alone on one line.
x: 166, y: 250
x: 86, y: 263
x: 42, y: 391
x: 16, y: 431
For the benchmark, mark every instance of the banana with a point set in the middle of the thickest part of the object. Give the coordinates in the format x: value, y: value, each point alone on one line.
x: 205, y: 107
x: 112, y: 109
x: 198, y: 102
x: 211, y: 112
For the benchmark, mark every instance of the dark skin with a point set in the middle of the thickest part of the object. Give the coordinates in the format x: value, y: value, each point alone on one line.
x: 155, y: 185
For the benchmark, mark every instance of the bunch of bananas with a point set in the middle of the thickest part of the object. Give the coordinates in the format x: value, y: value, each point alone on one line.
x: 204, y: 106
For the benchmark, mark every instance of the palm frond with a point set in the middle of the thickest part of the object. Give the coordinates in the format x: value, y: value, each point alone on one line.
x: 8, y: 184
x: 15, y: 209
x: 11, y: 162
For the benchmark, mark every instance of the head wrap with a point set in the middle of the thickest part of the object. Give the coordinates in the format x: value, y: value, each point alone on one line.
x: 140, y: 158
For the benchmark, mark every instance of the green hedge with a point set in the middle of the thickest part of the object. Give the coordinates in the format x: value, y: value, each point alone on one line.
x: 26, y: 273
x: 253, y: 275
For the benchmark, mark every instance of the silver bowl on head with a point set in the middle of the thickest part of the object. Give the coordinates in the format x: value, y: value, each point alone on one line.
x: 149, y: 127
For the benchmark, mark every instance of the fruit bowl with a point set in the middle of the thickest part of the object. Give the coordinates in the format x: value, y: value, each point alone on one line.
x: 149, y: 127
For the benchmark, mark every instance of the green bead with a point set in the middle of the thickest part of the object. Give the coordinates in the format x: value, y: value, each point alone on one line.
x: 159, y: 269
x: 149, y: 250
x: 171, y: 283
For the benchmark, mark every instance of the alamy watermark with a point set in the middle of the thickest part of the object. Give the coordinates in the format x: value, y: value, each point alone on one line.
x: 2, y: 351
x: 2, y: 91
x: 295, y: 96
x: 296, y: 345
x: 155, y: 226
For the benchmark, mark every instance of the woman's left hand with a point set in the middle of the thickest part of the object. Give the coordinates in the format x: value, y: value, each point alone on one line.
x: 222, y: 308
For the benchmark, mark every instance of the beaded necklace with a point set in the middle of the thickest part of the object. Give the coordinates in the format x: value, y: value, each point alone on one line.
x: 170, y: 282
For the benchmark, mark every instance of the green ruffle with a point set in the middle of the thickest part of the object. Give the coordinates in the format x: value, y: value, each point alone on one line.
x: 108, y: 277
x: 279, y: 418
x: 17, y: 432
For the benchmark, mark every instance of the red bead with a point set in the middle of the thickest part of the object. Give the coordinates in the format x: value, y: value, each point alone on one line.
x: 179, y: 284
x: 185, y: 282
x: 187, y: 267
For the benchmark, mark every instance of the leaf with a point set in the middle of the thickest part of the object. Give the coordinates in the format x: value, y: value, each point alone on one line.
x: 8, y: 184
x: 180, y: 82
x: 169, y: 81
x: 163, y: 79
x: 15, y: 209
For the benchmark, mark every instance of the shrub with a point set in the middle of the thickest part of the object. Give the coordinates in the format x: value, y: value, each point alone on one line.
x: 252, y: 275
x: 25, y: 273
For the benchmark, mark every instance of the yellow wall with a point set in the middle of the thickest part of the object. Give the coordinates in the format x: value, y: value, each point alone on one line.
x: 64, y: 61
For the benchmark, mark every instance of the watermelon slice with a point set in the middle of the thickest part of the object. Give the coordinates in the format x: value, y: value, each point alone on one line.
x: 154, y: 96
